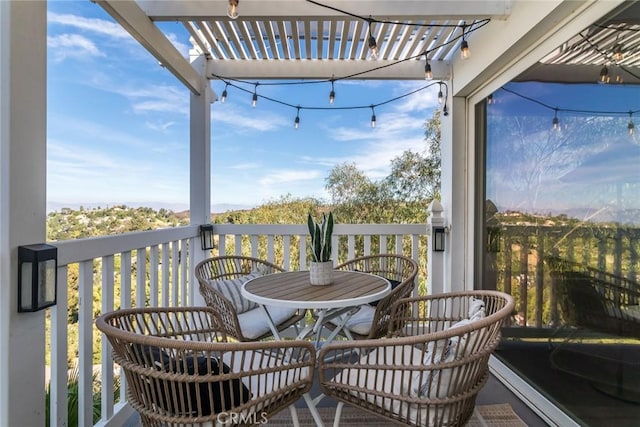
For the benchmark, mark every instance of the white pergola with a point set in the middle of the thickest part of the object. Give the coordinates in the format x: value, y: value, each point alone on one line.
x: 272, y: 39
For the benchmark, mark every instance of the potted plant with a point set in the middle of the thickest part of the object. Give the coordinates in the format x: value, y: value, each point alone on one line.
x: 321, y: 266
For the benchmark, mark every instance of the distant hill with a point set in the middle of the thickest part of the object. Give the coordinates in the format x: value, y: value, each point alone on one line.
x: 80, y: 223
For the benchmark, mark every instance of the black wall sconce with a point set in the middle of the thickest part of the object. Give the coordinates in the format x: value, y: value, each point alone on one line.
x: 206, y: 237
x: 438, y: 238
x: 37, y: 277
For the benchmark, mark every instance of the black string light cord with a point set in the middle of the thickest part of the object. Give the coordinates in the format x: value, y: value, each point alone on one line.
x: 466, y: 30
x: 608, y: 57
x: 555, y: 122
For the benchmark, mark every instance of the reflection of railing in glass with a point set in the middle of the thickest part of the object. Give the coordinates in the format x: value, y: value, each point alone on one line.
x: 519, y: 267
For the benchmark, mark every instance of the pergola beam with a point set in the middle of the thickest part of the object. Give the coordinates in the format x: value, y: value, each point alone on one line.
x: 314, y: 69
x: 138, y: 24
x: 380, y: 9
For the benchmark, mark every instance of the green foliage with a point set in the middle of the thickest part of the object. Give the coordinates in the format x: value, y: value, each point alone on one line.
x: 73, y: 393
x: 403, y: 196
x: 78, y: 224
x: 321, y: 237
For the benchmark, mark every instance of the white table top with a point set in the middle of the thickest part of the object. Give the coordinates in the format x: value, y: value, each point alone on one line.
x: 292, y: 289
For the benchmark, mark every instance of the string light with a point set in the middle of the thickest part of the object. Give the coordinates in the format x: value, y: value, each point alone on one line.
x: 604, y: 75
x: 618, y: 53
x: 373, y: 117
x: 254, y: 100
x: 296, y: 122
x: 490, y: 99
x: 232, y: 9
x: 428, y: 75
x: 223, y: 98
x: 373, y: 46
x: 440, y: 95
x: 464, y: 46
x: 556, y: 121
x: 332, y: 94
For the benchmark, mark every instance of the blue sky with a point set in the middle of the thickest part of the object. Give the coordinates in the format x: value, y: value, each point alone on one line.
x: 118, y: 125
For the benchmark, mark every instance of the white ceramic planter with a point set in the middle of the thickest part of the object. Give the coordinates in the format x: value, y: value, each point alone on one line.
x: 321, y: 273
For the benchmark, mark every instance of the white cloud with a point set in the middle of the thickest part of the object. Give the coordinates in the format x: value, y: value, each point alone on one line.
x: 72, y: 46
x: 288, y: 176
x: 259, y: 119
x: 245, y: 166
x: 94, y: 25
x: 160, y: 126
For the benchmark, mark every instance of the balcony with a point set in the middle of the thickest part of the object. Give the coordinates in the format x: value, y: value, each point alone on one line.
x: 163, y: 276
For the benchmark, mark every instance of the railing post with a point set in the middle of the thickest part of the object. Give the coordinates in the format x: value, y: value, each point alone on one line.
x: 437, y: 246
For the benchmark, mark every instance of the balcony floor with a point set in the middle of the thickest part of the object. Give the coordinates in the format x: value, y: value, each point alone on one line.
x: 580, y: 398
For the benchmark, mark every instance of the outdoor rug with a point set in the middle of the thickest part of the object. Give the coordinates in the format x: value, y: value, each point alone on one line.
x: 500, y: 415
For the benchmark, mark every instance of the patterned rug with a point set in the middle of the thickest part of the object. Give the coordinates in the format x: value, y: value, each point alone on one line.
x: 501, y: 415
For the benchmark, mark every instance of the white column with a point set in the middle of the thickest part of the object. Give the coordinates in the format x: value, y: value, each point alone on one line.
x: 200, y: 167
x: 23, y: 28
x: 435, y: 260
x: 454, y: 192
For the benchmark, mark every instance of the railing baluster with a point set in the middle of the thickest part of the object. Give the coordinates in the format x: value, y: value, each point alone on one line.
x: 106, y: 371
x: 153, y: 276
x: 175, y: 272
x: 85, y: 344
x: 165, y: 274
x: 59, y: 345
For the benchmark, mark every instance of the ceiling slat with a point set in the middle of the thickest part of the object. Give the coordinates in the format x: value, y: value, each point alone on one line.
x: 248, y: 42
x: 272, y: 50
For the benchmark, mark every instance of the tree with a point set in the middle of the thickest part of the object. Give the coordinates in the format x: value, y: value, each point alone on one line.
x: 403, y: 196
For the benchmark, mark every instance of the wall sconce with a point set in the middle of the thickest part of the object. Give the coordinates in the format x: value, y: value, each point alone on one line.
x: 206, y: 237
x: 438, y: 238
x: 37, y: 277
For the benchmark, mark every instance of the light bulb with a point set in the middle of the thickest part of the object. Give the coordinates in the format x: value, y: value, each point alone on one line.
x: 631, y: 127
x: 618, y: 54
x: 223, y: 98
x: 440, y: 97
x: 373, y: 121
x: 490, y: 99
x: 464, y: 50
x: 332, y: 97
x: 254, y: 100
x: 296, y: 122
x: 428, y: 75
x: 604, y: 75
x: 373, y: 47
x: 556, y: 123
x: 232, y: 9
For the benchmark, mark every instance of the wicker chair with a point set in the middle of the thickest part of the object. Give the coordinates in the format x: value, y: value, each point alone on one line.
x: 591, y: 301
x: 180, y: 370
x: 248, y: 325
x: 372, y: 320
x: 430, y: 368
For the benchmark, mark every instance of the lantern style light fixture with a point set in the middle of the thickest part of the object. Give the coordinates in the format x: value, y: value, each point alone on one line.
x: 438, y: 238
x: 206, y: 237
x: 37, y: 277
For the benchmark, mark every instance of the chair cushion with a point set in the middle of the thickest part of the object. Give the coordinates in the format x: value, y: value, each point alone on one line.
x: 394, y: 284
x: 360, y: 322
x: 231, y: 290
x: 262, y: 384
x: 394, y: 382
x: 224, y: 395
x: 434, y: 384
x: 253, y: 323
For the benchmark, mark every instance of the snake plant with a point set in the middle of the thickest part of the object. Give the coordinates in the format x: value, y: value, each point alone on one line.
x: 321, y: 237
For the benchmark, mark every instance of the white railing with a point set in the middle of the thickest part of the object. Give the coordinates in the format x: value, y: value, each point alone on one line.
x: 164, y: 277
